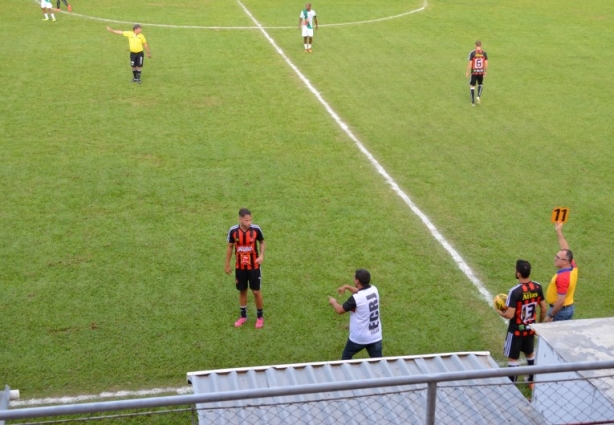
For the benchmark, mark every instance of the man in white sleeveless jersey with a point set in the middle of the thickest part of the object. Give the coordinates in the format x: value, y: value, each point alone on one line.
x: 365, y: 323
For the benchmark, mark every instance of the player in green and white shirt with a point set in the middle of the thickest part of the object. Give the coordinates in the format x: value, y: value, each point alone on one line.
x: 306, y: 21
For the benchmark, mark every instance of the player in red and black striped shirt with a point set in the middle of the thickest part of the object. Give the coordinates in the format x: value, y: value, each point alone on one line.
x: 522, y: 303
x: 478, y: 67
x: 244, y: 239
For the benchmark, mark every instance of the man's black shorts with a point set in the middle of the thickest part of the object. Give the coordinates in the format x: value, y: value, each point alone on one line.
x: 479, y: 78
x: 136, y: 59
x: 245, y: 277
x: 516, y: 344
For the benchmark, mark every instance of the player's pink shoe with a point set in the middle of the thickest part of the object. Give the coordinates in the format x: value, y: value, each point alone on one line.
x: 240, y: 322
x: 259, y: 322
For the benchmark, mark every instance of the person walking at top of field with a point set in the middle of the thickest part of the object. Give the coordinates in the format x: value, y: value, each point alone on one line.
x: 563, y: 284
x: 243, y: 239
x: 306, y: 21
x: 365, y: 320
x: 46, y: 7
x: 522, y: 303
x: 137, y: 43
x: 477, y: 66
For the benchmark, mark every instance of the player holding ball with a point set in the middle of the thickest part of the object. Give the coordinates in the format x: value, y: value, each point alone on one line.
x: 522, y: 303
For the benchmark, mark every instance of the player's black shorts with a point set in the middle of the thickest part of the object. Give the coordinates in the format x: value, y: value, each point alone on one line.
x: 479, y: 78
x: 514, y: 345
x: 245, y: 277
x: 136, y: 59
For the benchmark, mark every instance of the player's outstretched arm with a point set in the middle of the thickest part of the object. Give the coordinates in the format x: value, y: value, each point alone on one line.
x: 114, y: 31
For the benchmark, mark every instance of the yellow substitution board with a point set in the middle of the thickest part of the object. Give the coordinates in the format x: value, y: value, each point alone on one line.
x: 560, y: 215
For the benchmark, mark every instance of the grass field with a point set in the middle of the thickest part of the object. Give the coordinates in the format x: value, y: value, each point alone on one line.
x: 116, y: 198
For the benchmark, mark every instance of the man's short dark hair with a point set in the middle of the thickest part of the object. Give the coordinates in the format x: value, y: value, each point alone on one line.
x: 363, y: 276
x: 478, y: 43
x: 136, y: 26
x: 244, y: 211
x: 524, y: 268
x: 568, y: 254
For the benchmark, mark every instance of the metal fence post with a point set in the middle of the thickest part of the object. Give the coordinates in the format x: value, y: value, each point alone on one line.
x: 431, y: 403
x: 4, y: 400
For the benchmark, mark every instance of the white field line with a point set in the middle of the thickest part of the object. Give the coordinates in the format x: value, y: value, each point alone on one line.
x: 101, y: 396
x: 462, y: 265
x: 201, y: 27
x: 387, y: 18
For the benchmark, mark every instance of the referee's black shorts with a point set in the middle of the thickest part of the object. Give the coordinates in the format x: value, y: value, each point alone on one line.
x: 137, y: 59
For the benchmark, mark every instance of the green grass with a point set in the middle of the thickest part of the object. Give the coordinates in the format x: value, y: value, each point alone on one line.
x: 116, y: 198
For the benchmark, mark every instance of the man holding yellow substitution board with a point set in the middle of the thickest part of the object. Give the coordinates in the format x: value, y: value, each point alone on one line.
x: 559, y: 294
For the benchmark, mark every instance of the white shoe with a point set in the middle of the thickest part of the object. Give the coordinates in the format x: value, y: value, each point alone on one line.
x: 478, y: 99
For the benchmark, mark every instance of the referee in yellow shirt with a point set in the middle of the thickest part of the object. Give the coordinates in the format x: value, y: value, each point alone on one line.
x: 137, y: 43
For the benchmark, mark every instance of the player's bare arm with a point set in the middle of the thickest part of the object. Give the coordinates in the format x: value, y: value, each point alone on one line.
x: 543, y: 308
x: 315, y: 21
x: 228, y: 257
x: 338, y: 307
x: 147, y: 50
x: 114, y: 31
x: 260, y: 258
x: 508, y: 313
x: 344, y: 288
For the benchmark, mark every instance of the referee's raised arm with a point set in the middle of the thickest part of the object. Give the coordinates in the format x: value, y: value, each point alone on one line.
x: 118, y: 32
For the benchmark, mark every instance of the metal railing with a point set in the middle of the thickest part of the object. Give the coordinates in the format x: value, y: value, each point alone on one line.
x: 432, y: 382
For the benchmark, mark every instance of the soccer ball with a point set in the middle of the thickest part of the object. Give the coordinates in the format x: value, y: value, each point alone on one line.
x: 499, y: 302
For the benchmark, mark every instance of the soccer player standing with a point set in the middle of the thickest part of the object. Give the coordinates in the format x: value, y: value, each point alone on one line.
x: 243, y: 239
x: 522, y: 303
x: 477, y: 66
x: 137, y: 43
x: 306, y: 21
